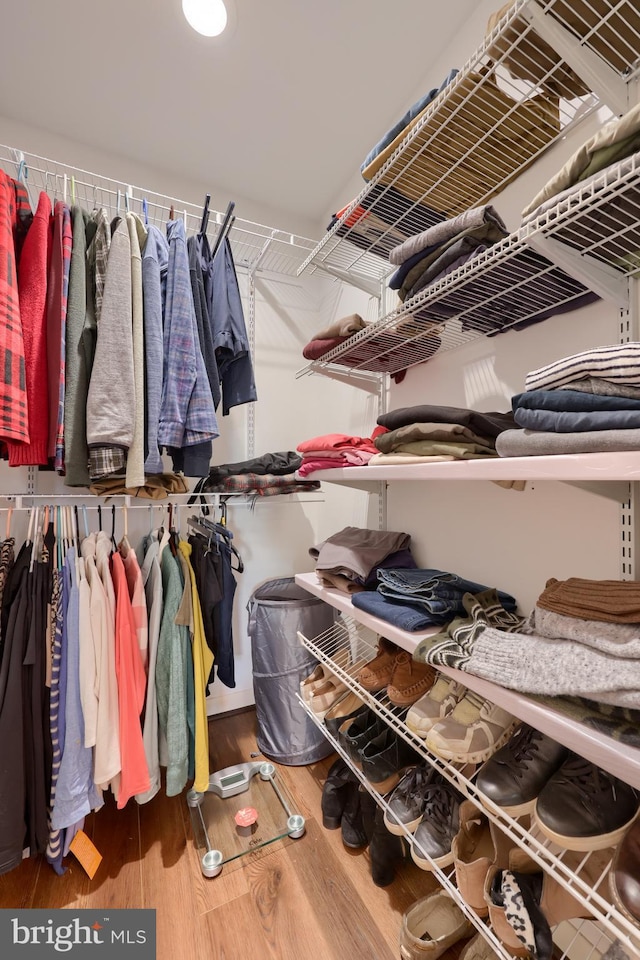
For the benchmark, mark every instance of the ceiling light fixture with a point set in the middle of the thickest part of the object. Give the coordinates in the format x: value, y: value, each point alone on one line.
x: 208, y: 17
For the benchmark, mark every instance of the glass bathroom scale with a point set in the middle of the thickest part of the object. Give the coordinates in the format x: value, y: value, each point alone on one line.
x: 246, y: 807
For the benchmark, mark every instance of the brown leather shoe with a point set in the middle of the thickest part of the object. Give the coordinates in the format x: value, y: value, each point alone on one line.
x: 410, y: 680
x: 625, y: 873
x: 377, y: 674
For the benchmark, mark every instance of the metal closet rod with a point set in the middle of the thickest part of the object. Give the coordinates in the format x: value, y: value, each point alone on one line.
x: 27, y: 501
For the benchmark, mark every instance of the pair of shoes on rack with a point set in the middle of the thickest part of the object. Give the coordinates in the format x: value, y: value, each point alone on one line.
x: 375, y: 749
x: 425, y: 804
x: 322, y: 688
x: 457, y: 724
x: 393, y: 669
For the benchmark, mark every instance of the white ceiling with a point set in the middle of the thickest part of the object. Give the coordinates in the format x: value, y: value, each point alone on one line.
x: 280, y: 109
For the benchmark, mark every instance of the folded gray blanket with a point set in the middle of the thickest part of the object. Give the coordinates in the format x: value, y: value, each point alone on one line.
x: 540, y: 443
x: 535, y: 664
x: 616, y: 639
x: 443, y: 232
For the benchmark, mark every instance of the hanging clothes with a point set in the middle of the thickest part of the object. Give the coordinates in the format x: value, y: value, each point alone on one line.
x: 76, y: 452
x: 187, y: 415
x: 155, y: 259
x: 202, y: 664
x: 14, y: 204
x: 111, y: 403
x: 230, y: 339
x: 171, y: 679
x: 135, y: 458
x: 152, y: 580
x: 61, y: 242
x: 32, y: 288
x: 55, y: 845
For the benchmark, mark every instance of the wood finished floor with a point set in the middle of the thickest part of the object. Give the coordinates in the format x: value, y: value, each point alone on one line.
x: 295, y: 899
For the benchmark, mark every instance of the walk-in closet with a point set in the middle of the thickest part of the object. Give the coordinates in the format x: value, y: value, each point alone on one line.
x: 319, y: 474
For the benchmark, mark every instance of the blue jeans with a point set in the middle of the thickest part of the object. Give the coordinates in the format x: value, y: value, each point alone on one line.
x: 405, y: 616
x: 438, y: 592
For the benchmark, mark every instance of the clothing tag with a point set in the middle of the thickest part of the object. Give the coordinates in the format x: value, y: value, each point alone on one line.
x: 86, y: 853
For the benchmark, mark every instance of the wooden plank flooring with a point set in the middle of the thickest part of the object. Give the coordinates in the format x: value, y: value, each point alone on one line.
x: 294, y: 899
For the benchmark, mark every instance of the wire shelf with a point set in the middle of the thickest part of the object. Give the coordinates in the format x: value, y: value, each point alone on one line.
x: 255, y: 247
x: 530, y: 81
x: 594, y: 232
x: 584, y: 875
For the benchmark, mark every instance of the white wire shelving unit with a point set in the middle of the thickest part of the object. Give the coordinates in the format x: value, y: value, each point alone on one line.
x: 544, y: 67
x: 256, y: 247
x: 588, y: 243
x: 584, y: 875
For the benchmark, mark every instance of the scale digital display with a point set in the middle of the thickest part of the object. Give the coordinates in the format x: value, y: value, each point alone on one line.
x: 232, y: 778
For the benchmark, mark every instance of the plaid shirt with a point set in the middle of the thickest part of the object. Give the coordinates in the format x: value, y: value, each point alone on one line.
x: 187, y: 415
x: 264, y: 485
x: 14, y: 421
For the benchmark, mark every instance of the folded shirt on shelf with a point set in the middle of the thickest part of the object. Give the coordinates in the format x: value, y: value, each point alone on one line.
x: 391, y: 459
x: 281, y: 462
x: 335, y: 450
x: 344, y: 327
x: 619, y: 362
x: 486, y: 423
x: 432, y: 239
x: 431, y: 269
x: 539, y: 443
x: 611, y: 601
x: 571, y: 421
x: 318, y: 347
x: 599, y: 387
x: 354, y: 551
x: 311, y: 463
x: 336, y: 442
x: 438, y: 432
x: 614, y: 141
x: 452, y: 646
x: 400, y: 559
x: 575, y: 401
x: 406, y: 120
x: 435, y: 448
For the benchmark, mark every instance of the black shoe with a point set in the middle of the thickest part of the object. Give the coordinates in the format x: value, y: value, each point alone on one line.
x: 585, y: 808
x: 406, y: 803
x: 355, y: 734
x: 356, y: 817
x: 439, y: 825
x: 515, y: 775
x: 385, y: 758
x: 386, y: 852
x: 346, y: 708
x: 334, y: 794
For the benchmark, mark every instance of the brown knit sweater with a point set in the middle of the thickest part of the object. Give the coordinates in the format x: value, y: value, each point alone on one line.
x: 612, y: 601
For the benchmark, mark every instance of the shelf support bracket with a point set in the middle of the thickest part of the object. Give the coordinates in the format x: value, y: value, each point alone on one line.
x: 596, y: 73
x: 604, y: 280
x: 355, y: 378
x: 373, y: 289
x: 617, y: 490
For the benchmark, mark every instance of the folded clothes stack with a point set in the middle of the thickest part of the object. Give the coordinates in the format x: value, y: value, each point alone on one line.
x: 421, y: 598
x: 269, y: 475
x: 615, y: 141
x: 334, y: 450
x: 437, y: 251
x: 582, y: 640
x: 586, y: 403
x: 429, y: 433
x: 350, y: 559
x: 332, y: 336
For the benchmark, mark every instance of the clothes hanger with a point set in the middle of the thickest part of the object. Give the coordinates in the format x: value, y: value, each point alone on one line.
x: 99, y: 518
x: 7, y: 528
x: 205, y: 214
x: 224, y: 229
x: 113, y: 526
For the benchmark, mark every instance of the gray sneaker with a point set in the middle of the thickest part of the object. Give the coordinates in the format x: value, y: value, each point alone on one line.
x: 472, y: 732
x: 439, y: 825
x: 406, y: 803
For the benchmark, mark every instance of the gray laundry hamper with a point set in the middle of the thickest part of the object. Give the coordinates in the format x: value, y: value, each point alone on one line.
x: 277, y: 610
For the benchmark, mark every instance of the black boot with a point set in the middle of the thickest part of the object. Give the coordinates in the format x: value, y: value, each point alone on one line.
x: 354, y: 832
x: 335, y: 793
x: 386, y: 851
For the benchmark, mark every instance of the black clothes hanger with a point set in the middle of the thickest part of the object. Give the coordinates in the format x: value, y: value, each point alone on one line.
x: 227, y: 223
x: 113, y: 526
x: 205, y: 214
x: 99, y: 517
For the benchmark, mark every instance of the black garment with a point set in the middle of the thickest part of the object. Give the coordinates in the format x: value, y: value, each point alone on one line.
x: 35, y: 705
x: 280, y: 463
x: 194, y: 248
x: 12, y: 759
x: 210, y: 593
x: 487, y: 424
